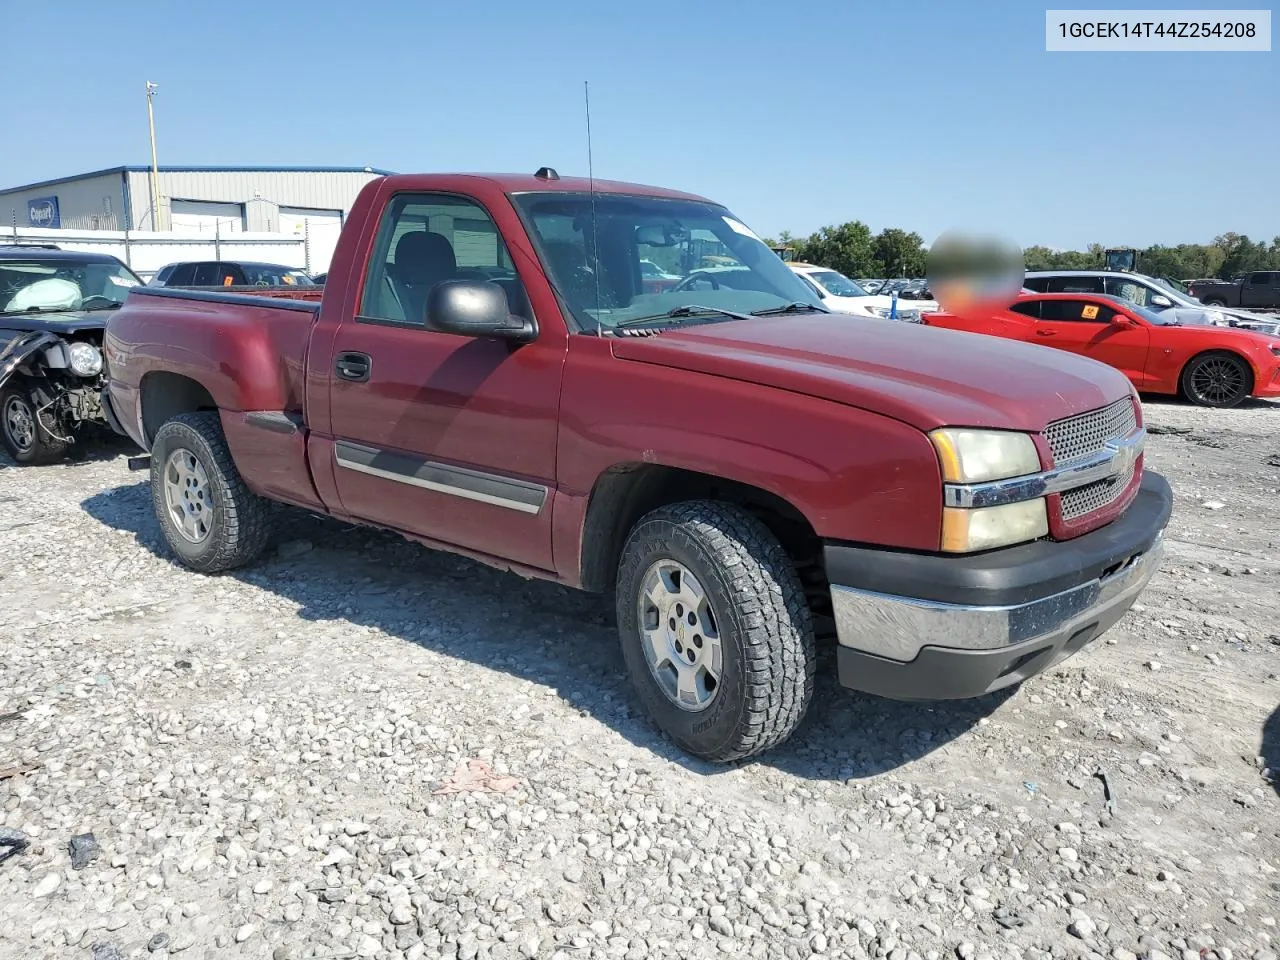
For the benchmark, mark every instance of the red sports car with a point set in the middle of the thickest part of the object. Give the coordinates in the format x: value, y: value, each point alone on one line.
x: 1210, y: 366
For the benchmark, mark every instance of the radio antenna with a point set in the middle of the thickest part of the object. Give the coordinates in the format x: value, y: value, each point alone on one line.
x: 591, y: 191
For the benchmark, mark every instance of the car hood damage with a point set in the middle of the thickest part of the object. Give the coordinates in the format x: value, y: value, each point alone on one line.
x: 63, y: 321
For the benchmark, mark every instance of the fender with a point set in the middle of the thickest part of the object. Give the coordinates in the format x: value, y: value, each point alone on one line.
x: 247, y: 352
x: 22, y: 347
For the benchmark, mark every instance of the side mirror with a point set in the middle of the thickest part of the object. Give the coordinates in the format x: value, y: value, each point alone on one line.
x: 1120, y: 320
x: 1161, y: 301
x: 474, y: 308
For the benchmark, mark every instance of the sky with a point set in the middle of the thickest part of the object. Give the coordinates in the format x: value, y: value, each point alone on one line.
x: 926, y: 116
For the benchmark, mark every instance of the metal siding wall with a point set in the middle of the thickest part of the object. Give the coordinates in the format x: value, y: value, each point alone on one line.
x: 79, y: 201
x: 140, y: 196
x: 288, y: 188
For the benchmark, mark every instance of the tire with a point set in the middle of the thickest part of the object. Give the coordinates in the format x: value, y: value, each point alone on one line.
x: 25, y: 440
x: 194, y: 476
x: 1214, y: 302
x: 752, y: 611
x: 1217, y: 379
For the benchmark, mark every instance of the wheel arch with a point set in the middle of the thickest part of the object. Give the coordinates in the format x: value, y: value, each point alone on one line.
x: 163, y: 395
x: 625, y: 492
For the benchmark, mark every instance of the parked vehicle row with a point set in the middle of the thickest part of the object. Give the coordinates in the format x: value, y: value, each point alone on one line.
x: 728, y: 459
x: 842, y: 295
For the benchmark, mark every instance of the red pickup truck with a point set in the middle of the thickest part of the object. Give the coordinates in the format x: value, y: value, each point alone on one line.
x: 487, y: 373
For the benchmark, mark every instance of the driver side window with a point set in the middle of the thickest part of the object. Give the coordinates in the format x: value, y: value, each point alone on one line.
x: 1128, y: 290
x: 426, y: 239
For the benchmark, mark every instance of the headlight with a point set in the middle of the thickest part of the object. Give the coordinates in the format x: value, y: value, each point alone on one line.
x: 1218, y: 318
x: 976, y: 456
x: 964, y: 531
x: 85, y: 359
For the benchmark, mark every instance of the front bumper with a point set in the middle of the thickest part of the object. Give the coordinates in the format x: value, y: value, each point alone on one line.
x: 927, y: 627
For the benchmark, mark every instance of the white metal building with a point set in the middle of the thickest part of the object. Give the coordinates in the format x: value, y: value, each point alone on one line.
x: 309, y: 202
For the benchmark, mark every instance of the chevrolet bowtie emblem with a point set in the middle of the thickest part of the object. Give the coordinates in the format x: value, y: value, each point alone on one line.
x: 1124, y: 454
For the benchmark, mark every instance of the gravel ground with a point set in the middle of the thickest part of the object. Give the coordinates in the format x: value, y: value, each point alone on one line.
x: 258, y: 755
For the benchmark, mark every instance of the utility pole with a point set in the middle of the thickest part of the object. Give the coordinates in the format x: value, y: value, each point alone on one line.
x: 155, y: 169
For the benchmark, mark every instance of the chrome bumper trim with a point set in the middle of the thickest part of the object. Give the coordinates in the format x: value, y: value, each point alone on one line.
x: 1116, y: 459
x: 897, y: 628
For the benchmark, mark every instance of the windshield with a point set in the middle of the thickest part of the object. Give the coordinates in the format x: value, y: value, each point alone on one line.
x: 836, y: 284
x: 1177, y: 286
x: 596, y: 263
x: 63, y: 283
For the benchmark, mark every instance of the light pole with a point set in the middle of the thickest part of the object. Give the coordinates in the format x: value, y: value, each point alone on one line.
x: 155, y: 169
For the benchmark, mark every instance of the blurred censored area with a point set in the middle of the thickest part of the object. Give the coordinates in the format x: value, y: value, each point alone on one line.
x: 967, y: 271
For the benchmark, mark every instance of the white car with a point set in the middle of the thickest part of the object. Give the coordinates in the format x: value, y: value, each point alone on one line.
x: 843, y: 295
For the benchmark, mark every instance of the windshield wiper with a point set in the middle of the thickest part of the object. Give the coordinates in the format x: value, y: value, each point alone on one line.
x: 795, y: 306
x: 682, y: 313
x: 18, y: 313
x: 111, y: 306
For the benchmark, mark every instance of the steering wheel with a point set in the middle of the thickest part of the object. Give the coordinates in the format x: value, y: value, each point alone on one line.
x: 688, y: 281
x: 97, y: 296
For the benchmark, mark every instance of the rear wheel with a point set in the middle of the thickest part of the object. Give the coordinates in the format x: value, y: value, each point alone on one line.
x: 1215, y: 302
x: 29, y: 435
x: 1217, y: 380
x: 211, y: 520
x: 715, y: 629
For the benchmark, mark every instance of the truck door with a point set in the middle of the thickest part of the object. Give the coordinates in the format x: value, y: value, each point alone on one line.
x: 1260, y: 289
x: 452, y: 438
x: 1085, y: 327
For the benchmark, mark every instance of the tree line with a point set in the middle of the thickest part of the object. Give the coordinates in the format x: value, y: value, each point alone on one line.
x: 855, y: 251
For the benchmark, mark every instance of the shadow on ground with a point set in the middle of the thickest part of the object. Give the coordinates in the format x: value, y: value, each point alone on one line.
x: 1169, y: 400
x: 94, y: 448
x: 540, y: 632
x: 1271, y: 747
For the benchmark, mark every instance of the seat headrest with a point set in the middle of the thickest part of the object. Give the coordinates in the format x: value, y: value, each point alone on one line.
x: 426, y: 255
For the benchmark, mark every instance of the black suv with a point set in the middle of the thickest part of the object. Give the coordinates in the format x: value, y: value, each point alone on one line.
x: 230, y: 273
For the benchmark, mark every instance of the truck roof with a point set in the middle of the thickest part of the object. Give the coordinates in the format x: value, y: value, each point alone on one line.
x: 530, y: 183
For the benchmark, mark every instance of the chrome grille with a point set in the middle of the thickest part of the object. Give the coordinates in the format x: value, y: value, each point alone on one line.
x: 1094, y: 496
x: 1086, y: 433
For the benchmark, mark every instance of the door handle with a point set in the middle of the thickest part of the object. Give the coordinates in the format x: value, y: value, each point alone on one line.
x: 353, y: 366
x: 1046, y: 333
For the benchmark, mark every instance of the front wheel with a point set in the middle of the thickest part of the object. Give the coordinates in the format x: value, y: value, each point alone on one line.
x: 1217, y: 380
x: 211, y: 520
x: 715, y: 630
x: 29, y: 434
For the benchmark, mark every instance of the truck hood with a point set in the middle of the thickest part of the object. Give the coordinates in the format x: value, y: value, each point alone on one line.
x: 924, y: 376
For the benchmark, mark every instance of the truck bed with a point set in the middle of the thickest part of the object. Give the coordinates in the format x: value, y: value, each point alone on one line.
x: 248, y: 352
